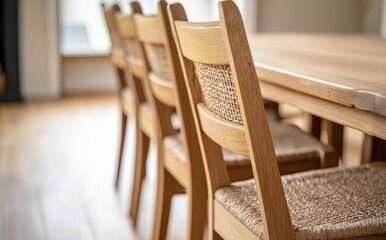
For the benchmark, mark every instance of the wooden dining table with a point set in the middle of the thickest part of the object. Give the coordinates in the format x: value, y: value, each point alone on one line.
x: 338, y: 77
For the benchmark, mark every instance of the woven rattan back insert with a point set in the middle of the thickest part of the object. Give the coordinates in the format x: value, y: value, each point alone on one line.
x: 131, y: 48
x: 218, y: 91
x: 112, y: 26
x: 156, y: 56
x: 115, y: 40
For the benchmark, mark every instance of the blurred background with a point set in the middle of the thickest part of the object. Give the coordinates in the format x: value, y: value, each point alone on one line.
x: 60, y: 115
x: 54, y: 48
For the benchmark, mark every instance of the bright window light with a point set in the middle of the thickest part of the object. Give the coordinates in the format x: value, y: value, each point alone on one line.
x: 84, y: 31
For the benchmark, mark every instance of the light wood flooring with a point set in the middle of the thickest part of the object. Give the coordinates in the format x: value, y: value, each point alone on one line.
x: 57, y: 167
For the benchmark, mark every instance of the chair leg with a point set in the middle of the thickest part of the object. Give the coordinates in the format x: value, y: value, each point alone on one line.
x: 121, y: 149
x: 197, y: 207
x: 166, y: 188
x: 142, y: 149
x: 373, y: 149
x: 212, y: 234
x: 314, y: 126
x: 330, y: 159
x: 197, y: 204
x: 335, y: 136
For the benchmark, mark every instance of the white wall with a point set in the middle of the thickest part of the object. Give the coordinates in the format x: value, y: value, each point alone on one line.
x: 87, y: 13
x: 88, y: 75
x: 39, y: 49
x: 371, y: 17
x: 383, y: 23
x: 309, y: 15
x: 40, y: 61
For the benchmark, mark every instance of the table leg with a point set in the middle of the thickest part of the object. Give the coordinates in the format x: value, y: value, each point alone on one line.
x: 373, y: 149
x: 272, y: 108
x: 335, y: 136
x: 314, y: 126
x: 334, y: 132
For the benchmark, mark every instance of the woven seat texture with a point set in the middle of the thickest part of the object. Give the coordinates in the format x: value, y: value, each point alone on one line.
x: 324, y: 204
x: 175, y: 144
x: 128, y: 100
x: 291, y: 144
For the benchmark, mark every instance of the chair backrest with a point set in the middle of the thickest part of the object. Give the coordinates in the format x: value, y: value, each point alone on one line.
x: 168, y: 87
x: 133, y: 55
x: 109, y: 12
x: 127, y: 34
x: 153, y: 34
x: 228, y: 107
x: 116, y: 52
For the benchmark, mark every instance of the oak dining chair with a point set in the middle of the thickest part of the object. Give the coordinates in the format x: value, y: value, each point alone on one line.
x: 128, y: 57
x: 174, y: 166
x: 126, y: 97
x: 145, y: 127
x: 179, y: 159
x: 334, y: 203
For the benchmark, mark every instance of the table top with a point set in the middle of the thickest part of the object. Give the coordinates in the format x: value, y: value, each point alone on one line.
x: 343, y: 68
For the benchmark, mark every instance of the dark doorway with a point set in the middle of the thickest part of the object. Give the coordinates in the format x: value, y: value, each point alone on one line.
x: 9, y: 50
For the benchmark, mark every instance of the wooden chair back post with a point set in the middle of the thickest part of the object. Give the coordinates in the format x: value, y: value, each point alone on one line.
x: 212, y: 156
x: 117, y: 53
x: 228, y: 108
x: 134, y: 55
x: 169, y: 90
x: 151, y: 37
x: 153, y: 40
x: 109, y: 12
x: 131, y: 48
x: 182, y: 104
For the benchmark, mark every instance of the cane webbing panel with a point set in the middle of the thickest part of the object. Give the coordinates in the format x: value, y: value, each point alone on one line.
x: 156, y: 56
x: 291, y: 145
x: 131, y: 49
x: 218, y: 91
x: 175, y: 144
x: 115, y: 40
x: 324, y: 204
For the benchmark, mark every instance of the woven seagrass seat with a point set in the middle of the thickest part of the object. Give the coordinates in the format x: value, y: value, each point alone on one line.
x: 291, y: 144
x: 128, y: 101
x: 333, y: 204
x: 146, y: 112
x: 229, y: 113
x: 175, y: 144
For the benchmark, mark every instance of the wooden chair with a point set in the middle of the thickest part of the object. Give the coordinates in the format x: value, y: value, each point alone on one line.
x: 373, y: 149
x: 126, y: 96
x: 320, y: 204
x: 173, y: 169
x: 179, y: 156
x: 128, y: 58
x: 144, y: 118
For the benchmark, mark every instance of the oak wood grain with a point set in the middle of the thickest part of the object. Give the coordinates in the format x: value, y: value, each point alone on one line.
x: 370, y: 123
x: 57, y: 169
x: 343, y: 68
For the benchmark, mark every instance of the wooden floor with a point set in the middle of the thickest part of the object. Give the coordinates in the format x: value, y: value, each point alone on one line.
x: 57, y: 166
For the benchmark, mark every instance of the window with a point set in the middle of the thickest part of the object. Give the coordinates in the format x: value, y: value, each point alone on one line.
x: 83, y: 28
